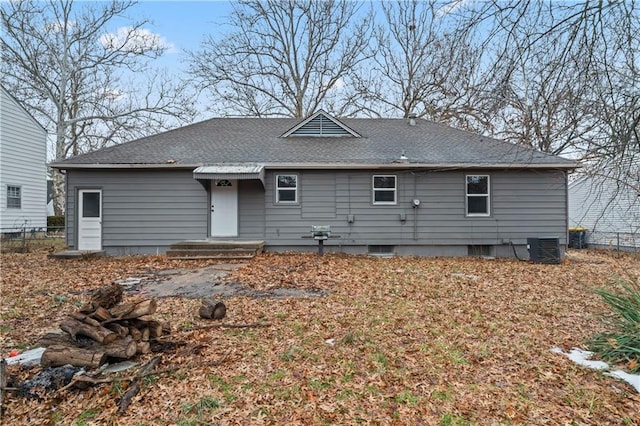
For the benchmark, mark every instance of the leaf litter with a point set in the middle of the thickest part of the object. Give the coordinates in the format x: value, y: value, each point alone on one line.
x: 413, y: 341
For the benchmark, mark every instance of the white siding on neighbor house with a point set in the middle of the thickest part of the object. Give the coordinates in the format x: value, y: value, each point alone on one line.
x: 609, y: 211
x: 23, y: 145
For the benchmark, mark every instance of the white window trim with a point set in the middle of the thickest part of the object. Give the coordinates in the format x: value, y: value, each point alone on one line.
x: 18, y: 198
x: 487, y: 195
x: 394, y: 189
x: 295, y: 190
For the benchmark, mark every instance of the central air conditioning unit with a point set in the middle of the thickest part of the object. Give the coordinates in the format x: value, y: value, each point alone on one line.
x: 544, y: 250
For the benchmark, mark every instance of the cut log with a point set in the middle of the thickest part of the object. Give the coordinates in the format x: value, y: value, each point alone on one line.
x: 146, y: 334
x: 101, y: 314
x: 63, y: 339
x: 120, y: 330
x: 135, y: 333
x: 134, y: 310
x: 85, y: 319
x: 143, y: 347
x: 155, y: 327
x: 121, y: 348
x: 212, y: 310
x: 166, y: 328
x: 58, y: 355
x: 107, y: 296
x: 99, y: 333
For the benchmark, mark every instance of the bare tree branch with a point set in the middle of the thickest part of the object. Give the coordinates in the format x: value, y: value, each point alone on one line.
x: 284, y: 58
x: 76, y: 78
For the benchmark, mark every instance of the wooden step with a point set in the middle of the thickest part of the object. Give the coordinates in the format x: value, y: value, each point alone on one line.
x: 218, y: 245
x: 237, y: 253
x: 215, y: 249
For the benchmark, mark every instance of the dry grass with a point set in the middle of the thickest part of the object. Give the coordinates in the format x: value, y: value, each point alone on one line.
x: 397, y: 341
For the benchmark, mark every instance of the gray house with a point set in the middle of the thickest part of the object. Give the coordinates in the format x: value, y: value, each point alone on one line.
x: 382, y: 185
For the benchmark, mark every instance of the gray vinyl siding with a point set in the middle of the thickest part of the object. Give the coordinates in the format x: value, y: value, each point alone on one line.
x: 146, y: 211
x: 251, y: 210
x: 22, y: 164
x: 523, y: 204
x: 142, y: 211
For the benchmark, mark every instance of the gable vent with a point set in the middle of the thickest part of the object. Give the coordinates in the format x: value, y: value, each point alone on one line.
x: 321, y: 125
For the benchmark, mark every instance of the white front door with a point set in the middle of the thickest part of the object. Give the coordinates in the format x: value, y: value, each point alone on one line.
x: 224, y: 208
x: 89, y: 219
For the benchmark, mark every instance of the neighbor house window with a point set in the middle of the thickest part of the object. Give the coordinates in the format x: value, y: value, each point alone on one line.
x: 477, y: 195
x: 384, y: 190
x: 286, y: 189
x: 14, y: 197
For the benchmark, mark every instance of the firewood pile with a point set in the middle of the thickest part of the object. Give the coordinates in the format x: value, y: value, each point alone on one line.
x: 104, y: 329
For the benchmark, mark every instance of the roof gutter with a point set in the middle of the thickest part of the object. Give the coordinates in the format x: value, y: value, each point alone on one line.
x: 329, y: 166
x: 63, y: 166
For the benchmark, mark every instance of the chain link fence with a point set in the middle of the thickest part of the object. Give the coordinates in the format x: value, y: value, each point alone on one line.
x: 621, y: 241
x: 23, y: 239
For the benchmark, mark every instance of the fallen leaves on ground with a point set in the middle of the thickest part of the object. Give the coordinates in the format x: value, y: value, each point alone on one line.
x: 396, y: 341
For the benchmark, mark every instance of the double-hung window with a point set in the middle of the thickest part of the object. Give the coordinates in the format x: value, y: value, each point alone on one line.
x: 477, y: 190
x: 14, y: 197
x: 287, y: 189
x: 384, y: 189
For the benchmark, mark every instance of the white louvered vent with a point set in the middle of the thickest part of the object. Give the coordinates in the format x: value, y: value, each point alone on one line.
x: 320, y: 125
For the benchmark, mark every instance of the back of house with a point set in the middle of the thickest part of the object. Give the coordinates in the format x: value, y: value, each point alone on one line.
x: 381, y: 186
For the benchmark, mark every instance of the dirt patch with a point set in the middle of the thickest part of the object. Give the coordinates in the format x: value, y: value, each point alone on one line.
x: 206, y: 281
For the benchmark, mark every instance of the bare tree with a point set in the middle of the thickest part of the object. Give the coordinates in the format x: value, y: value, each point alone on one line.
x: 82, y: 82
x: 539, y: 101
x: 566, y: 81
x: 420, y: 68
x: 284, y: 58
x: 557, y: 70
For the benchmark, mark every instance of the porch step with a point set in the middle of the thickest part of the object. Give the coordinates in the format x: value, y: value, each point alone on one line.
x: 76, y: 254
x: 206, y: 249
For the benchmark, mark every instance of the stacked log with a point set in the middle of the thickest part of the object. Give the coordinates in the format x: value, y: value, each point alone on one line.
x: 105, y: 328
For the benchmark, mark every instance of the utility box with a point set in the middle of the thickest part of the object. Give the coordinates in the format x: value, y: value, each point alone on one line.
x: 544, y: 250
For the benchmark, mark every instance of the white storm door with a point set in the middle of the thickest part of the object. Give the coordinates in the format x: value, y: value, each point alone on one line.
x: 224, y: 208
x: 89, y: 219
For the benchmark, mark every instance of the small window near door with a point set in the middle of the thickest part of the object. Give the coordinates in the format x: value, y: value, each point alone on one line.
x: 223, y: 183
x: 90, y: 204
x: 384, y: 189
x: 286, y: 189
x: 14, y: 197
x: 477, y: 189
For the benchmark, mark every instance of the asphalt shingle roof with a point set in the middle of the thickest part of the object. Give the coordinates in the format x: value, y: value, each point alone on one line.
x: 258, y: 140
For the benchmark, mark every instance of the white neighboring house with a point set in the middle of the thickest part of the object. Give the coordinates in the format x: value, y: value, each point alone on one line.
x: 23, y: 172
x: 608, y: 210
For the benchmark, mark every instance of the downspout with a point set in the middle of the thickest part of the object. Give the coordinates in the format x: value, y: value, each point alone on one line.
x: 566, y: 211
x: 415, y: 208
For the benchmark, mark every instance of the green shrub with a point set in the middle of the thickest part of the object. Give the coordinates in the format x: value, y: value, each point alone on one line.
x: 621, y: 344
x: 55, y: 221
